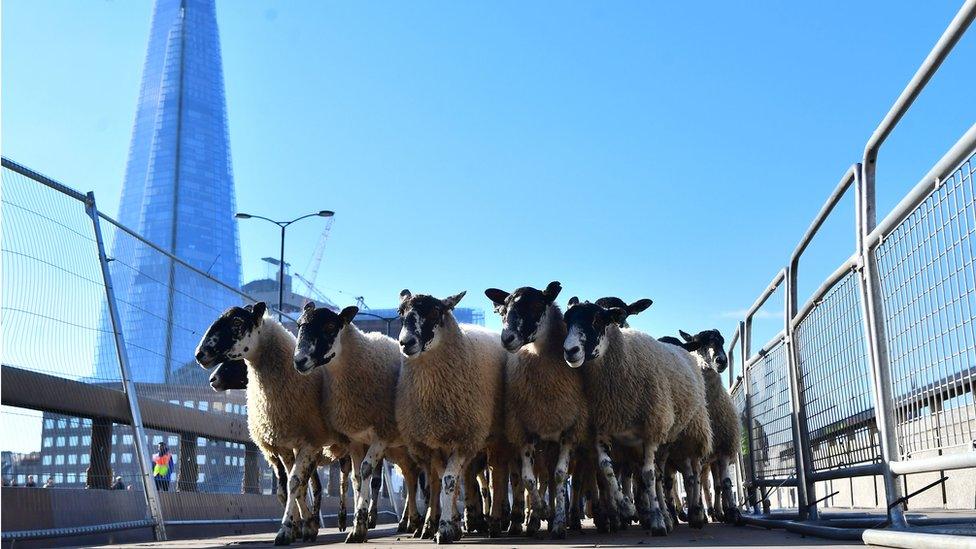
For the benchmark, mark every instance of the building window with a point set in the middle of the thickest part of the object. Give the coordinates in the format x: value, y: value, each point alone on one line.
x: 126, y: 439
x: 86, y: 440
x: 82, y: 477
x: 203, y: 405
x: 60, y: 442
x: 218, y: 406
x: 126, y: 457
x: 71, y: 478
x: 62, y: 423
x: 85, y: 458
x: 114, y: 440
x: 201, y: 477
x: 72, y: 459
x: 46, y: 460
x: 86, y: 422
x: 47, y: 442
x: 59, y: 459
x: 226, y: 460
x: 75, y: 423
x: 201, y: 459
x: 201, y: 442
x: 113, y: 457
x: 73, y: 441
x: 49, y: 424
x: 21, y: 480
x: 174, y: 442
x: 58, y: 478
x: 188, y: 403
x: 158, y: 438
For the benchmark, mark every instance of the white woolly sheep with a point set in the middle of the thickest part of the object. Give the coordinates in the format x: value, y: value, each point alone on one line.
x: 640, y: 392
x: 449, y: 404
x: 544, y: 400
x: 279, y: 400
x: 361, y: 378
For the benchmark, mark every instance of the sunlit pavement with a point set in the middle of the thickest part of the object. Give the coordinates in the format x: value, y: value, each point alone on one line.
x: 713, y: 535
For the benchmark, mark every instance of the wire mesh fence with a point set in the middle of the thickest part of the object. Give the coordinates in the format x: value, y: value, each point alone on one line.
x: 771, y: 429
x: 929, y: 287
x: 836, y: 380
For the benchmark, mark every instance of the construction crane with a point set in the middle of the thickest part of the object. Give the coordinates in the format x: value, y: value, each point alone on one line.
x: 361, y: 303
x: 312, y: 270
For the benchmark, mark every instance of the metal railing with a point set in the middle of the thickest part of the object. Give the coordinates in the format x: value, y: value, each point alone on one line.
x: 99, y: 374
x: 875, y: 373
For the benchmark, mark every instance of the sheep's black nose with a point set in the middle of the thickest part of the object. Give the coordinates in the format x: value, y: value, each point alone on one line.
x: 300, y: 361
x: 573, y: 351
x: 408, y: 342
x: 200, y: 356
x: 507, y: 339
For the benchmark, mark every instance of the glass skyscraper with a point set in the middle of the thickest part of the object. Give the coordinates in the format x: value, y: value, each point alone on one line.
x: 179, y: 194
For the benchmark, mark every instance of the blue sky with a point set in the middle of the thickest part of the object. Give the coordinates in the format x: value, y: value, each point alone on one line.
x: 675, y: 151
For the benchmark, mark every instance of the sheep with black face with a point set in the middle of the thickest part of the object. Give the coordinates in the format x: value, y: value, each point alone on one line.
x: 449, y: 404
x: 641, y: 393
x: 544, y: 400
x: 361, y: 378
x: 708, y: 349
x: 279, y: 400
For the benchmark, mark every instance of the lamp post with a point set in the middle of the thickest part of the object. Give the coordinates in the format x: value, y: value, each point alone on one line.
x: 281, y: 262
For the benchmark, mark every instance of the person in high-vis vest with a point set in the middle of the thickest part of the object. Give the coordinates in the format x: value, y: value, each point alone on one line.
x: 163, y: 465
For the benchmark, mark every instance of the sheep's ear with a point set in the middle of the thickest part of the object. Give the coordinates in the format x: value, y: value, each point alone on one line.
x: 639, y: 306
x: 496, y: 296
x: 573, y: 301
x: 309, y: 307
x: 692, y: 346
x: 348, y: 314
x: 452, y: 301
x: 617, y: 315
x: 405, y: 296
x: 257, y: 312
x: 552, y: 290
x: 684, y: 335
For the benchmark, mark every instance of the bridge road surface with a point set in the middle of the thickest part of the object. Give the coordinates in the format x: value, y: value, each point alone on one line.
x: 713, y: 536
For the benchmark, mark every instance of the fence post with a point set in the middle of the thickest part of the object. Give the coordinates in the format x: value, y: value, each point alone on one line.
x: 805, y: 489
x: 128, y: 385
x: 877, y: 343
x: 749, y: 462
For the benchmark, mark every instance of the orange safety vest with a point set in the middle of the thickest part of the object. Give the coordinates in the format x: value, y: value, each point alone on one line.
x: 161, y: 464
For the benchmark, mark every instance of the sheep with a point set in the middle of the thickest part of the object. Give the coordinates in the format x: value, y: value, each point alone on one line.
x: 279, y: 400
x: 232, y: 375
x: 449, y: 403
x: 533, y: 332
x: 362, y: 372
x: 708, y: 349
x: 640, y: 392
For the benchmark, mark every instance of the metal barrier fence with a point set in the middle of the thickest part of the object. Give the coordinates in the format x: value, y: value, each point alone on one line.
x: 99, y: 327
x: 875, y: 373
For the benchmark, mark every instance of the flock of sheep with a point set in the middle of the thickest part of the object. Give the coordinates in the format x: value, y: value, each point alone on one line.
x: 560, y: 416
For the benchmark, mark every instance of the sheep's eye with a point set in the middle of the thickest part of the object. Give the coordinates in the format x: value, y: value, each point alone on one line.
x: 330, y: 326
x: 238, y: 322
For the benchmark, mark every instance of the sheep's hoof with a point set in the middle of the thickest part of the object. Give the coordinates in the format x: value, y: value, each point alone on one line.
x: 476, y: 522
x: 601, y: 521
x: 515, y: 528
x: 682, y: 516
x: 446, y: 533
x: 341, y: 520
x: 310, y: 532
x: 372, y: 519
x: 284, y: 536
x: 576, y: 524
x: 628, y: 509
x: 429, y: 529
x: 356, y: 536
x: 494, y: 527
x: 735, y: 517
x: 533, y: 525
x: 414, y: 523
x: 402, y: 525
x: 696, y: 517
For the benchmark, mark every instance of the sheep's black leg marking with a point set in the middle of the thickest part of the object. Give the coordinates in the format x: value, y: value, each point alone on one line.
x: 296, y: 481
x: 376, y: 484
x: 654, y: 520
x: 666, y: 496
x: 576, y: 503
x: 474, y: 513
x: 691, y: 472
x: 360, y: 524
x: 560, y: 475
x: 616, y: 503
x: 281, y: 478
x: 434, y: 510
x: 344, y: 469
x: 446, y: 529
x: 517, y: 516
x: 531, y: 483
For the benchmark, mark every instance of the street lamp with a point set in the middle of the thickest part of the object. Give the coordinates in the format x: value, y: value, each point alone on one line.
x: 281, y: 263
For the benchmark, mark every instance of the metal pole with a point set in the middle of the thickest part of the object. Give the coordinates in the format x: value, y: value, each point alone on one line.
x: 749, y: 462
x: 872, y: 303
x: 805, y: 492
x: 281, y: 275
x: 128, y: 385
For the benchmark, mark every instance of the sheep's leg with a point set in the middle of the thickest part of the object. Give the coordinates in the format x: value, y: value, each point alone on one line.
x: 434, y: 511
x: 724, y: 480
x: 714, y: 507
x: 518, y: 499
x: 485, y: 484
x: 617, y: 503
x: 345, y: 468
x: 423, y: 499
x: 654, y: 520
x: 626, y: 476
x: 536, y: 507
x: 498, y: 466
x: 560, y: 475
x: 376, y: 484
x: 691, y: 473
x: 313, y: 522
x: 474, y: 513
x: 304, y: 458
x: 309, y: 523
x: 281, y: 481
x: 576, y: 500
x: 287, y: 461
x: 410, y: 508
x: 447, y: 531
x: 666, y: 495
x: 360, y: 523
